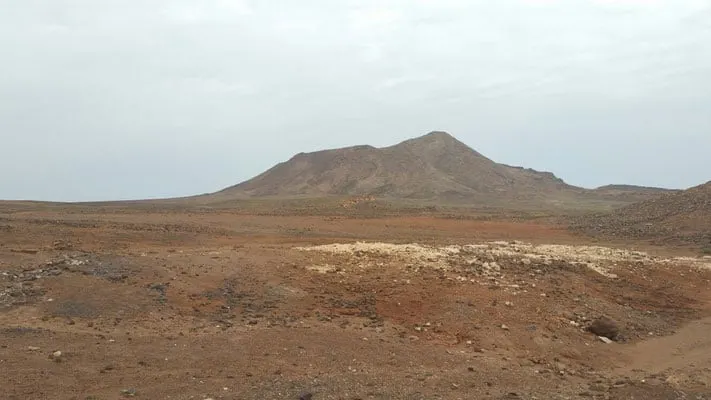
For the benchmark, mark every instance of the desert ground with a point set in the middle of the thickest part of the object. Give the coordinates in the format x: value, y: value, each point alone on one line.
x: 169, y: 302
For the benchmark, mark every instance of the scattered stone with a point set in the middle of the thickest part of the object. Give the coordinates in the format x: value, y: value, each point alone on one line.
x: 56, y: 356
x: 25, y: 251
x: 33, y: 348
x: 505, y: 327
x: 106, y: 369
x: 605, y: 327
x: 598, y: 388
x: 130, y: 392
x: 306, y: 396
x: 61, y: 245
x: 605, y: 340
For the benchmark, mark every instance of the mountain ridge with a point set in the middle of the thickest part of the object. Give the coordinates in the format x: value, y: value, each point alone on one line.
x: 435, y: 167
x: 426, y: 167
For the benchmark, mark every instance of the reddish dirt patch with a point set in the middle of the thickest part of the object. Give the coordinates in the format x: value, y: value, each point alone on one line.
x: 220, y: 305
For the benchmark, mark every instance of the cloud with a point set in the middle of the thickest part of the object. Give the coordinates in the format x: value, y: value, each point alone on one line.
x: 207, y: 11
x: 224, y: 89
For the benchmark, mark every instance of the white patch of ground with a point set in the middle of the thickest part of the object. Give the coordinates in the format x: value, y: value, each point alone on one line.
x: 487, y: 257
x: 322, y: 269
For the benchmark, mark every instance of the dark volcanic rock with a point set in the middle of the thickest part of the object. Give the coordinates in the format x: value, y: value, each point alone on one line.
x: 605, y: 327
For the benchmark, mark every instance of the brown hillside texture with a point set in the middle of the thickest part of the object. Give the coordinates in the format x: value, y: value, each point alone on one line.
x: 434, y: 167
x: 683, y: 217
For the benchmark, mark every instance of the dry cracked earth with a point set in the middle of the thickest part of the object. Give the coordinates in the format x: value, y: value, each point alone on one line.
x: 110, y: 303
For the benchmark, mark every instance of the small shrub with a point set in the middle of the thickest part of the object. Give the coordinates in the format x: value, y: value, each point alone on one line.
x: 706, y: 251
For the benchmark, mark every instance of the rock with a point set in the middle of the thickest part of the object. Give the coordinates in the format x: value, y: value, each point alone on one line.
x: 25, y: 251
x: 306, y: 396
x: 505, y: 327
x: 56, y: 356
x: 605, y: 327
x: 106, y: 369
x: 130, y: 392
x: 605, y: 340
x: 61, y: 245
x: 33, y: 348
x: 561, y: 367
x: 598, y: 388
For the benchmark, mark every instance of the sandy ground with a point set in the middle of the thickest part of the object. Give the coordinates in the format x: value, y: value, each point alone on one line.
x: 120, y: 303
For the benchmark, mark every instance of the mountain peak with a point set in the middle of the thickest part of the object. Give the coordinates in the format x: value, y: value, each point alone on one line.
x: 438, y: 143
x: 440, y: 138
x: 436, y: 137
x: 440, y: 135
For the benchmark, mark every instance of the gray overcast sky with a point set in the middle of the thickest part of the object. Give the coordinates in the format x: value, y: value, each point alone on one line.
x: 121, y: 99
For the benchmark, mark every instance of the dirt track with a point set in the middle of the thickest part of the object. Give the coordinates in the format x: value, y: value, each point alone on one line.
x: 170, y: 305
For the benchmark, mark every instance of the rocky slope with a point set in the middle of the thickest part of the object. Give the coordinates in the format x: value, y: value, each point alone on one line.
x: 631, y: 193
x: 435, y: 166
x: 679, y: 217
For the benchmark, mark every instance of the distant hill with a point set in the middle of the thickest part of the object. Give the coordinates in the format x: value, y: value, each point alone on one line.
x: 631, y: 193
x: 435, y: 167
x: 676, y: 217
x: 432, y: 166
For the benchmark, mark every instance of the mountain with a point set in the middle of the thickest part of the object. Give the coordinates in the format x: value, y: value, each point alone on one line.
x: 434, y: 166
x: 682, y: 217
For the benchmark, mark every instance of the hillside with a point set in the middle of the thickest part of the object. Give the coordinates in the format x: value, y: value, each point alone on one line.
x: 677, y: 217
x: 433, y: 166
x: 630, y: 193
